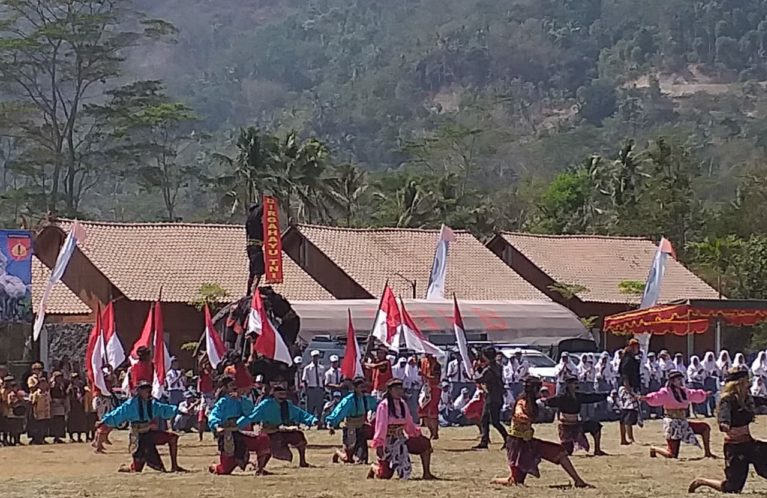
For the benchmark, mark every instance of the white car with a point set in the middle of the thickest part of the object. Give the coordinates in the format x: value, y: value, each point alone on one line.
x: 540, y: 365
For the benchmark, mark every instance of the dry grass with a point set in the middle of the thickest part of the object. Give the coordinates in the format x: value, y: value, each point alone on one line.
x: 71, y: 470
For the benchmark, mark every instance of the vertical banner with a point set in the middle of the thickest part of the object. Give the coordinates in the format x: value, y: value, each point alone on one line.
x: 15, y: 276
x: 272, y: 241
x: 436, y: 289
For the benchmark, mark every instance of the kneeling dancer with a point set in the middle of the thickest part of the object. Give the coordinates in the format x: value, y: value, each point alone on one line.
x: 279, y: 419
x: 353, y: 409
x: 523, y: 451
x: 140, y: 411
x: 573, y: 430
x: 736, y: 413
x: 235, y: 445
x: 396, y: 437
x: 675, y: 400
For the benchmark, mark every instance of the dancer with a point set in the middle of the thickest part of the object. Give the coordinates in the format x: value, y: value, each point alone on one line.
x: 396, y: 437
x: 735, y: 415
x: 234, y: 445
x: 573, y: 430
x: 629, y: 406
x: 491, y: 380
x: 354, y: 409
x: 279, y: 418
x: 431, y: 373
x: 140, y: 411
x: 524, y: 452
x: 675, y: 400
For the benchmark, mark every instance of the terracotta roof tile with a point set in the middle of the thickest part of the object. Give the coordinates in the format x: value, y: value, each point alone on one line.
x: 601, y: 263
x: 139, y: 258
x: 62, y: 301
x: 370, y: 256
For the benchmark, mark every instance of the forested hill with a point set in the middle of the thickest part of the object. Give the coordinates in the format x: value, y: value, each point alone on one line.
x: 368, y: 77
x: 563, y: 116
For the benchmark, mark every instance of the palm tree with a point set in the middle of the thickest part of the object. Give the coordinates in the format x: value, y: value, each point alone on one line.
x: 347, y: 190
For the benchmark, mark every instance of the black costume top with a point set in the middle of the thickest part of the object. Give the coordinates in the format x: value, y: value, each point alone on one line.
x: 629, y: 368
x: 492, y: 378
x: 571, y: 405
x: 736, y: 414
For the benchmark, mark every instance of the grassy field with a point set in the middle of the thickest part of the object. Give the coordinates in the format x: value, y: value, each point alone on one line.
x: 72, y: 470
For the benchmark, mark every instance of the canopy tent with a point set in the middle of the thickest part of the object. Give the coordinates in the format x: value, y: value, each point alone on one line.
x: 686, y: 317
x: 500, y: 321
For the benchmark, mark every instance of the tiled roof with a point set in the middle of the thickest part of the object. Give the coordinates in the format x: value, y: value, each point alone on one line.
x: 141, y: 258
x: 371, y: 256
x: 62, y: 301
x: 601, y: 263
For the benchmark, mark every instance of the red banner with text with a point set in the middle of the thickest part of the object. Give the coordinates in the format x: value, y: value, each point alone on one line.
x: 272, y: 241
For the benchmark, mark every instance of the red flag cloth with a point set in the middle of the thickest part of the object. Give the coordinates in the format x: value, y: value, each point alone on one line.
x: 214, y: 346
x: 94, y: 358
x: 114, y: 348
x: 388, y: 321
x: 351, y: 367
x: 460, y: 339
x: 145, y: 339
x: 240, y: 374
x: 269, y: 342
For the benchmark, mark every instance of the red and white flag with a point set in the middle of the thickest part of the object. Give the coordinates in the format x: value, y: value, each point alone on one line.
x: 161, y: 358
x: 145, y: 339
x: 460, y: 339
x: 94, y: 358
x: 388, y: 323
x: 414, y: 338
x: 114, y: 348
x: 214, y: 346
x: 351, y: 367
x: 269, y: 342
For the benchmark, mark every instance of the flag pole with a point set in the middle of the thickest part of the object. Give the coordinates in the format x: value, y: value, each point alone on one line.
x: 370, y: 339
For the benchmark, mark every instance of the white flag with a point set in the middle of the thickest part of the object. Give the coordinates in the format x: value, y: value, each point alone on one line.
x: 76, y: 234
x: 652, y: 286
x: 436, y: 289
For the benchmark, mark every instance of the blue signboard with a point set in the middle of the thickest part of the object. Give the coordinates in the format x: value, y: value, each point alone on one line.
x: 15, y: 276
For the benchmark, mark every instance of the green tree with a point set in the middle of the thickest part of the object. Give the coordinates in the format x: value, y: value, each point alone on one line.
x: 148, y: 133
x: 349, y: 189
x: 54, y: 56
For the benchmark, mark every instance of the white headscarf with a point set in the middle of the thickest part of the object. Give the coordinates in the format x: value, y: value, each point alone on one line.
x: 759, y: 366
x: 724, y: 362
x: 679, y: 363
x: 604, y: 368
x: 758, y: 388
x: 709, y: 363
x: 617, y: 360
x: 740, y: 362
x: 695, y: 372
x: 586, y: 368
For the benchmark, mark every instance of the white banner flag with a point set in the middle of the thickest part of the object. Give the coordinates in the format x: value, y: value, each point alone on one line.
x: 436, y: 289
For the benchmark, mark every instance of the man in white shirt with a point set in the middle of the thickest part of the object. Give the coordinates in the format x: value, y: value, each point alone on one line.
x: 399, y: 370
x: 314, y: 383
x: 334, y: 379
x: 412, y: 383
x: 174, y: 383
x: 456, y: 375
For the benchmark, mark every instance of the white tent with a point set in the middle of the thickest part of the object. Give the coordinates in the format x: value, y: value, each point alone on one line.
x: 522, y: 322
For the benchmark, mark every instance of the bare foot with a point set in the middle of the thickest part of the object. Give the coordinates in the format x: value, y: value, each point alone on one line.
x: 711, y: 455
x: 371, y: 474
x: 305, y: 465
x: 263, y: 472
x: 212, y: 469
x: 625, y: 443
x: 653, y: 453
x: 583, y: 484
x: 600, y: 453
x: 694, y: 485
x: 334, y: 459
x: 178, y: 469
x: 507, y: 481
x: 430, y: 477
x: 127, y: 469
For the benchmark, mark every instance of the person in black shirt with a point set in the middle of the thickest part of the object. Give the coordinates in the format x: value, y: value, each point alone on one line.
x: 741, y: 450
x: 573, y: 430
x: 491, y: 380
x: 629, y: 366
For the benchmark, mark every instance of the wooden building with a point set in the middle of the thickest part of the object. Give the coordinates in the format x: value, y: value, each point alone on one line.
x: 135, y: 264
x: 604, y: 273
x: 356, y: 263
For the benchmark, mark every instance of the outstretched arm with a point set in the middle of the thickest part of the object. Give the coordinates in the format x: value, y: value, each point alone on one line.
x: 589, y: 398
x: 163, y: 411
x: 120, y: 415
x: 301, y: 416
x: 340, y: 412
